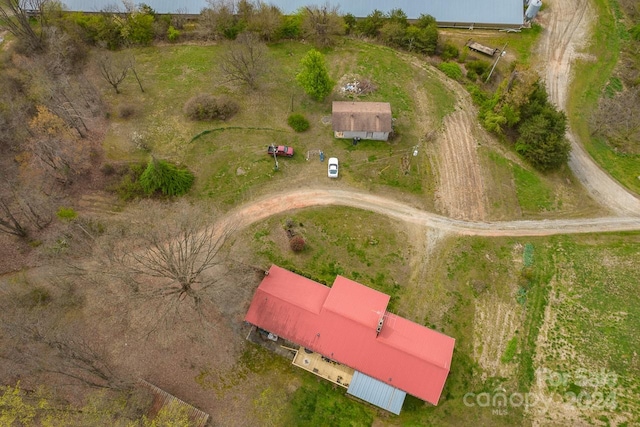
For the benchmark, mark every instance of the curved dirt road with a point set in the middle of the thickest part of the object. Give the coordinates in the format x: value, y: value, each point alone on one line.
x: 273, y: 204
x: 566, y: 29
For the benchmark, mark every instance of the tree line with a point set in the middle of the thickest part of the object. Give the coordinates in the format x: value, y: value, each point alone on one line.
x: 114, y: 28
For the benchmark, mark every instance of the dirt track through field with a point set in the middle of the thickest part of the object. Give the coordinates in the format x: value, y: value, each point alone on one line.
x: 273, y: 204
x: 566, y: 30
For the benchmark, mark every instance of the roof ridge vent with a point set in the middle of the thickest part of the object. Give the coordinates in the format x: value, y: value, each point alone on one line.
x: 380, y: 323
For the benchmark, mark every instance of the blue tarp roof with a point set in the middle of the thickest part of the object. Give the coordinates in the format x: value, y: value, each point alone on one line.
x: 461, y: 12
x: 376, y: 392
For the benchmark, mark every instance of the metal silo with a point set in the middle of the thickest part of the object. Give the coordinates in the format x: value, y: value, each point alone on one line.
x: 532, y: 10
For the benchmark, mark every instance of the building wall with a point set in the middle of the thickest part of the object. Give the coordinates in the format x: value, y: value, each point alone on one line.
x: 376, y: 136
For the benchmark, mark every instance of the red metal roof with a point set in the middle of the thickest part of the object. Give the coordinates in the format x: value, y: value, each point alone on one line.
x: 340, y: 323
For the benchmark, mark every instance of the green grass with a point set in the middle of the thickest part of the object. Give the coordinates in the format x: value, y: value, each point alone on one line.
x: 467, y: 270
x: 442, y: 99
x: 502, y: 199
x: 382, y: 64
x: 597, y: 311
x: 590, y: 77
x: 356, y: 244
x: 536, y: 299
x: 510, y: 351
x: 218, y: 152
x: 533, y: 194
x: 66, y: 213
x: 520, y: 44
x: 320, y: 403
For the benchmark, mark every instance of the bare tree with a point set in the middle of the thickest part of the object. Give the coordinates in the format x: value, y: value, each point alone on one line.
x: 245, y: 60
x: 219, y: 19
x: 37, y: 337
x: 618, y: 120
x: 168, y: 261
x: 132, y: 67
x: 19, y: 210
x: 8, y: 222
x: 322, y: 24
x: 15, y: 16
x: 265, y: 21
x: 113, y: 71
x: 14, y: 109
x: 55, y: 146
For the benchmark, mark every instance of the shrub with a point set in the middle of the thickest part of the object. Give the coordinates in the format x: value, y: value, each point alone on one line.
x: 129, y: 187
x: 66, y: 213
x: 165, y: 177
x: 108, y: 169
x: 126, y: 111
x: 139, y: 28
x: 290, y: 27
x: 208, y: 107
x: 297, y: 243
x: 36, y: 297
x: 480, y: 67
x: 449, y: 52
x: 298, y: 122
x: 451, y: 69
x: 172, y: 34
x: 477, y: 69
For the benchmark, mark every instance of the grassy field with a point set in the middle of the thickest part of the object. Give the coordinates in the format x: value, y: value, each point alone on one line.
x: 592, y: 338
x: 527, y: 194
x: 230, y: 160
x: 520, y: 44
x: 356, y: 244
x: 590, y: 77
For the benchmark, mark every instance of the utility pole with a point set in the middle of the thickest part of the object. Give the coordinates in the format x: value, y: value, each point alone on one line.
x: 496, y: 63
x: 275, y: 157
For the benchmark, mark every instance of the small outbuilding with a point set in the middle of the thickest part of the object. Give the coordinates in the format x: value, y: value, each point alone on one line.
x: 364, y: 120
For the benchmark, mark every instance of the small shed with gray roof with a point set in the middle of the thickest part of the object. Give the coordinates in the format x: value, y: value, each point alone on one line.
x: 364, y: 120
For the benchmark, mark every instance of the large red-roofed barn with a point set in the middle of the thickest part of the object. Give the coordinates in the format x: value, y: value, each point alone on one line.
x: 348, y: 323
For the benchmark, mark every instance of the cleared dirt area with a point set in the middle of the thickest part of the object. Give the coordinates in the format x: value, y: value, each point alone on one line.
x: 494, y: 325
x: 460, y: 192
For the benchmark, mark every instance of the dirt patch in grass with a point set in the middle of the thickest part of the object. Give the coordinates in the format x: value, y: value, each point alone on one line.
x: 461, y: 188
x: 496, y: 323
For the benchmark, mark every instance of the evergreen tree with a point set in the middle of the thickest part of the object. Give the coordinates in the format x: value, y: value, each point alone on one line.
x: 542, y: 139
x: 169, y: 179
x: 314, y: 77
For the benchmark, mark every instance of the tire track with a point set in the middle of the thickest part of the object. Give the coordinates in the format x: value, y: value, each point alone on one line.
x: 460, y: 186
x: 277, y: 203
